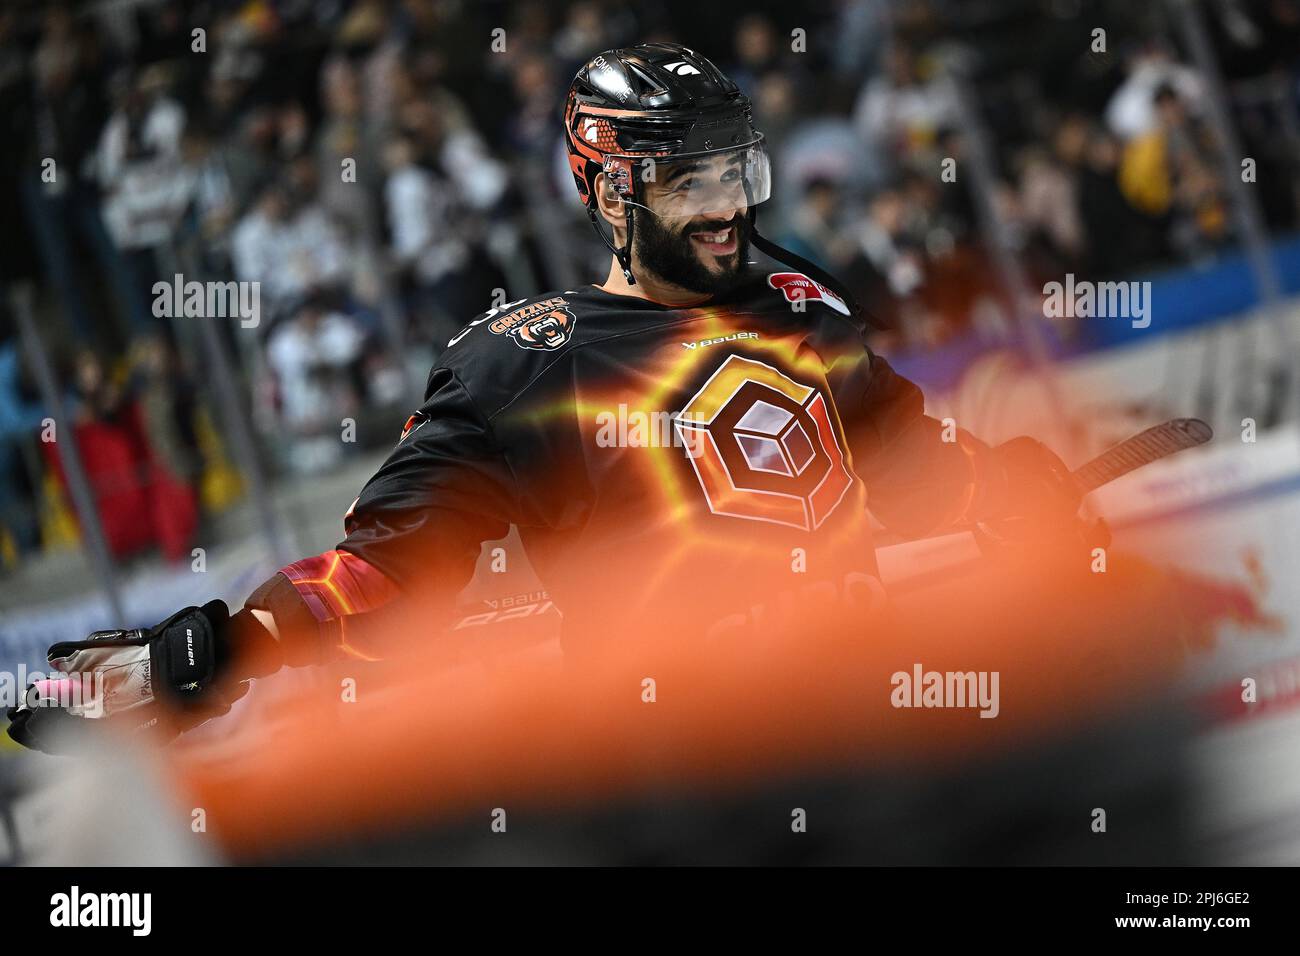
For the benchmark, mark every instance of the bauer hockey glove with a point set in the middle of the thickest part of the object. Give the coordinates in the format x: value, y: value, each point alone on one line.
x: 158, y: 682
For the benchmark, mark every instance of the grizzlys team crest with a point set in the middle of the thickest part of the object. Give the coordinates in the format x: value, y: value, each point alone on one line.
x: 548, y: 331
x: 547, y: 324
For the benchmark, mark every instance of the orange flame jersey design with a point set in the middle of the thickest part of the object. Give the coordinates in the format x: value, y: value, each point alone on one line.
x: 758, y: 463
x: 766, y: 423
x: 337, y: 584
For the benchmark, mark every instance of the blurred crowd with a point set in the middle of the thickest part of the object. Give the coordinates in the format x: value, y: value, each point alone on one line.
x: 383, y: 167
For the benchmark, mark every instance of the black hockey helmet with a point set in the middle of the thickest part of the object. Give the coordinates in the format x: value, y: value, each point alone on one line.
x: 632, y: 113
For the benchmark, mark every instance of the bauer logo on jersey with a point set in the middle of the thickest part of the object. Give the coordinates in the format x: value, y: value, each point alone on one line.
x: 764, y: 447
x: 797, y: 287
x: 547, y: 324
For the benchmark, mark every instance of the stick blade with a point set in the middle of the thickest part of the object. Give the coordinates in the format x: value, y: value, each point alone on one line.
x: 1155, y: 443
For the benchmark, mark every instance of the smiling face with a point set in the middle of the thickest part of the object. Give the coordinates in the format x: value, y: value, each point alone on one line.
x: 697, y: 235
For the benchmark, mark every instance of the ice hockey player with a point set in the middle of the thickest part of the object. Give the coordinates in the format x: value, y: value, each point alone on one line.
x: 664, y: 441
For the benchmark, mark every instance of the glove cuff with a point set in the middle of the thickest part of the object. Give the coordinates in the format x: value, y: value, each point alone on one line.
x: 186, y: 652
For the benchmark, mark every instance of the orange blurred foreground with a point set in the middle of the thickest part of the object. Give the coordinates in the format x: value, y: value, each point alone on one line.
x: 436, y: 733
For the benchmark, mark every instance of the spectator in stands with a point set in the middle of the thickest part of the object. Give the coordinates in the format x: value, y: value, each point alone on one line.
x: 1201, y: 225
x: 213, y: 199
x: 288, y: 244
x: 165, y: 405
x: 1120, y: 238
x: 777, y: 100
x: 757, y: 51
x: 532, y: 129
x: 316, y: 355
x: 956, y: 273
x: 900, y: 112
x: 817, y: 226
x: 20, y: 417
x: 59, y: 197
x: 444, y: 137
x: 584, y: 30
x: 861, y: 37
x: 1132, y: 110
x: 245, y: 147
x: 143, y: 132
x: 430, y: 254
x: 895, y: 266
x: 347, y: 142
x: 145, y: 185
x: 105, y: 431
x: 96, y: 395
x: 1049, y: 198
x: 1168, y: 173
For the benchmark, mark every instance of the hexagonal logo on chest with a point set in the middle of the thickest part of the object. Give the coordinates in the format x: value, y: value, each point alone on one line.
x: 764, y: 446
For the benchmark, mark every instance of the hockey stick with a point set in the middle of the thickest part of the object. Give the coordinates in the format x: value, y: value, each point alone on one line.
x: 1131, y: 454
x: 1142, y: 449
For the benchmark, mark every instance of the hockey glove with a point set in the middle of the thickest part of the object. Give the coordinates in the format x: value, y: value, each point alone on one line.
x: 157, y: 682
x: 1037, y: 498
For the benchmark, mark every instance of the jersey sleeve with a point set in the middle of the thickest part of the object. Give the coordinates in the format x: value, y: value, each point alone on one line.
x: 415, y: 531
x: 444, y: 490
x: 921, y: 478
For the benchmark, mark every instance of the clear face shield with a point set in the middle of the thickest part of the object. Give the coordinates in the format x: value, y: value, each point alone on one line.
x: 716, y: 183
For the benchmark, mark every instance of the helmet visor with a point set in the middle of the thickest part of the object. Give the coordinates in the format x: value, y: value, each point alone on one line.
x: 718, y: 182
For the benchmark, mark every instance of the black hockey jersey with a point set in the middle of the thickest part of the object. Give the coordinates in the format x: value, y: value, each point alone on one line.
x: 667, y: 467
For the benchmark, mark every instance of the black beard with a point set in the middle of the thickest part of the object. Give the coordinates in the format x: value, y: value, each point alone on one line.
x: 669, y: 255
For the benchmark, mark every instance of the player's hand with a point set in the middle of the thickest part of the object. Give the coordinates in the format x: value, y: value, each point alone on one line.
x: 155, y: 682
x: 1037, y: 486
x: 1039, y: 499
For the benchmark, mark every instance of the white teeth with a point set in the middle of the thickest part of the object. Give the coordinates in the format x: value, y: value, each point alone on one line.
x: 718, y: 237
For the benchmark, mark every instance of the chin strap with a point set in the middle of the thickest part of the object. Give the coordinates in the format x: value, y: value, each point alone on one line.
x: 623, y: 255
x: 625, y: 258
